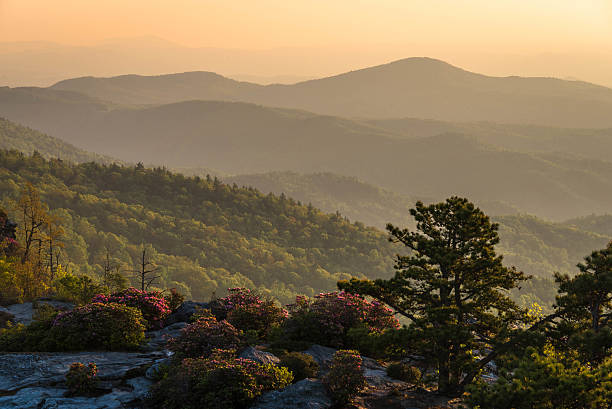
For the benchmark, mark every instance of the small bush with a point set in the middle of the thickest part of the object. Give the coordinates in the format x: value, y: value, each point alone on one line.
x: 151, y: 304
x: 345, y: 377
x: 99, y: 326
x: 81, y: 379
x: 174, y: 299
x: 35, y: 336
x: 301, y: 365
x: 10, y: 289
x: 5, y: 319
x: 328, y: 318
x: 76, y: 289
x: 247, y: 311
x: 200, y: 338
x: 219, y: 382
x: 404, y: 372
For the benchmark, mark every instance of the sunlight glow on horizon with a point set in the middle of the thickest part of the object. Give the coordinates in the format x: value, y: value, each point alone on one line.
x: 518, y: 25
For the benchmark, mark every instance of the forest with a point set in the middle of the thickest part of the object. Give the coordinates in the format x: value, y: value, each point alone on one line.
x: 204, y: 235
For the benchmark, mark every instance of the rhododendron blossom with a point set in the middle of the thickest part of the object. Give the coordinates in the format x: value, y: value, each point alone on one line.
x: 152, y: 304
x: 333, y: 314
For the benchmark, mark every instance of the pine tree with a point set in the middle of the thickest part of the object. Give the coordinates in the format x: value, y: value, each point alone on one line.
x: 586, y: 304
x: 453, y: 288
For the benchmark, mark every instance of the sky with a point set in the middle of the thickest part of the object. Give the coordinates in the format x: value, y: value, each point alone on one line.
x: 530, y: 36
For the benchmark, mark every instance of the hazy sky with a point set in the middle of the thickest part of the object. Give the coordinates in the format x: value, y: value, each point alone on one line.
x: 463, y: 30
x: 525, y: 25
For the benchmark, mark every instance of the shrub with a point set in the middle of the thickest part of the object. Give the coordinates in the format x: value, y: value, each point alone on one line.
x: 404, y: 372
x: 36, y: 336
x: 345, y: 377
x: 219, y: 382
x: 99, y: 326
x: 246, y: 310
x: 153, y: 306
x: 10, y: 291
x: 329, y: 317
x: 174, y: 299
x: 81, y: 379
x: 76, y: 289
x: 200, y: 338
x: 301, y: 365
x: 5, y: 319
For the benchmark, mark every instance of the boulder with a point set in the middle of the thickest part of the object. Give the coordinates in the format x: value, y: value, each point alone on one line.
x: 185, y: 312
x: 259, y: 356
x: 305, y: 394
x: 322, y: 355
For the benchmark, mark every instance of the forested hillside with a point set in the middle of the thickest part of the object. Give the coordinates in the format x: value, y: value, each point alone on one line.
x: 534, y: 245
x: 238, y: 138
x: 206, y: 236
x: 600, y: 224
x: 17, y: 137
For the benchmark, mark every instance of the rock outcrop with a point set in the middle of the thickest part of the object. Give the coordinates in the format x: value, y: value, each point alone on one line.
x: 259, y: 356
x: 23, y: 313
x: 305, y: 394
x: 37, y: 380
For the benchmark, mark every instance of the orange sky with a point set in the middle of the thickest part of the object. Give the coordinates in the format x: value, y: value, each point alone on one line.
x: 526, y: 25
x: 456, y: 30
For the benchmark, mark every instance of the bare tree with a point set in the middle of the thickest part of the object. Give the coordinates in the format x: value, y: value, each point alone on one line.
x: 54, y: 233
x: 147, y: 271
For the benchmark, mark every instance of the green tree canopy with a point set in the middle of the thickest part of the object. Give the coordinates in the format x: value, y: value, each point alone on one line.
x: 453, y: 288
x: 586, y: 303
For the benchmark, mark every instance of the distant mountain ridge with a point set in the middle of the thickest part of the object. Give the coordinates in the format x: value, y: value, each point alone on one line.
x: 412, y: 87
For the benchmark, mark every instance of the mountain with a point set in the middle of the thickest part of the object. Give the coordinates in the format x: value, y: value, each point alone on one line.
x: 206, y: 236
x: 240, y: 138
x: 601, y: 224
x: 535, y: 245
x: 353, y: 198
x: 589, y: 143
x: 412, y: 87
x: 20, y: 138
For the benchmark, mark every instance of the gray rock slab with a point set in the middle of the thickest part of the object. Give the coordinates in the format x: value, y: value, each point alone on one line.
x: 305, y: 394
x: 23, y: 312
x: 18, y: 371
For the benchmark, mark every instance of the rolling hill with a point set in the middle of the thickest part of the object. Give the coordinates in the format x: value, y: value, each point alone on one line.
x: 412, y: 87
x: 208, y: 235
x: 20, y: 138
x: 240, y: 138
x: 535, y: 245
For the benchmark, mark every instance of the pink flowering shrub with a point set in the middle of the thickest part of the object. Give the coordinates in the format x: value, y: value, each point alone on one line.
x: 200, y: 338
x: 108, y: 327
x: 345, y: 377
x: 81, y: 379
x: 152, y: 304
x: 328, y: 318
x: 218, y: 382
x: 246, y: 311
